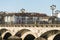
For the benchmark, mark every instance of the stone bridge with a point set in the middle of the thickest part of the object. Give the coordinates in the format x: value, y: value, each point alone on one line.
x: 30, y: 31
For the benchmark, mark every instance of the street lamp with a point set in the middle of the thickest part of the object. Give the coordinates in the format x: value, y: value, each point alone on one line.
x: 57, y: 11
x: 52, y: 8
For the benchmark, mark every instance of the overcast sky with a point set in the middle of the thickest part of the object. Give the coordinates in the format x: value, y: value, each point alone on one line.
x: 42, y: 6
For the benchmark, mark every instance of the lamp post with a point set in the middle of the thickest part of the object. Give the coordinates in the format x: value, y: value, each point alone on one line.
x: 52, y: 8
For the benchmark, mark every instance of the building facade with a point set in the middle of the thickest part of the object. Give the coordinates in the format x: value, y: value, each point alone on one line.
x: 24, y: 18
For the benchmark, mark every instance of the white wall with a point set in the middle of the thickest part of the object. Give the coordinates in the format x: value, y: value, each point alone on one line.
x: 58, y: 15
x: 10, y: 18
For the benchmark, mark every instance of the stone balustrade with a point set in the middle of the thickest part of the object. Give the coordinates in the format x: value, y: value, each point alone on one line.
x: 29, y: 25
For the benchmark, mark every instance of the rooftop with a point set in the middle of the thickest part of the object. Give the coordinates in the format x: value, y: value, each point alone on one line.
x: 24, y: 14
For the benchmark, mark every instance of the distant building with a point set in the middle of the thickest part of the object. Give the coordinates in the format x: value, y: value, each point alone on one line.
x: 24, y: 18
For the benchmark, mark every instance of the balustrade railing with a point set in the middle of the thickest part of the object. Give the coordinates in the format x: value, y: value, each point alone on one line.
x: 29, y: 25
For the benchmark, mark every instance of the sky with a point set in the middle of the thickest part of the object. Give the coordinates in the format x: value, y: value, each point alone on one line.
x: 40, y: 6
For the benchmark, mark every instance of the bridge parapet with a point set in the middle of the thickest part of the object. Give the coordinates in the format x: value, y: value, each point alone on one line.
x: 29, y: 25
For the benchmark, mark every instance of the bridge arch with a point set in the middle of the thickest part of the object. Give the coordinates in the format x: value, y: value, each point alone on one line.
x: 6, y: 35
x: 29, y: 36
x: 57, y: 37
x: 2, y: 31
x: 49, y: 33
x: 21, y: 32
